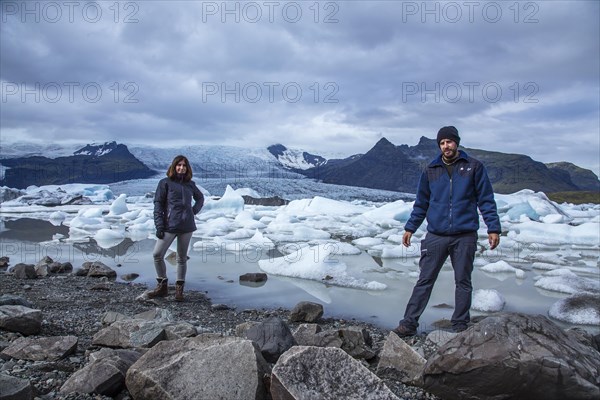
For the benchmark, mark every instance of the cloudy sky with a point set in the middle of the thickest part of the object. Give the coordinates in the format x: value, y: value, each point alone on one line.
x: 324, y: 76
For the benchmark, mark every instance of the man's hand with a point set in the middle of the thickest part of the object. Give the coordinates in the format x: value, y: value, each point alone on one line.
x: 160, y: 234
x: 494, y: 240
x: 406, y: 238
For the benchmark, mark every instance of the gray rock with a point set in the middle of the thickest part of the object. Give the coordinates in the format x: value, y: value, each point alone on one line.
x: 156, y: 314
x: 60, y: 268
x: 13, y: 388
x: 241, y: 329
x: 254, y: 277
x: 315, y: 373
x: 24, y: 271
x: 312, y: 335
x: 4, y: 261
x: 179, y: 330
x: 399, y: 361
x: 204, y: 367
x: 272, y: 336
x: 104, y: 374
x: 130, y: 277
x: 20, y: 319
x: 440, y: 337
x: 50, y: 348
x: 98, y: 270
x: 306, y: 311
x: 112, y: 316
x: 357, y: 342
x: 514, y: 356
x: 130, y: 333
x: 12, y: 300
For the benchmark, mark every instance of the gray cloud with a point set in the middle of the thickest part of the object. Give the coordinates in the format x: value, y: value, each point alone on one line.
x: 334, y: 78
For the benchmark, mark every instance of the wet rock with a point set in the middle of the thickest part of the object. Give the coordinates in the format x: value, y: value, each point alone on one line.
x: 24, y: 271
x: 20, y: 319
x: 272, y: 336
x: 49, y: 348
x: 306, y: 311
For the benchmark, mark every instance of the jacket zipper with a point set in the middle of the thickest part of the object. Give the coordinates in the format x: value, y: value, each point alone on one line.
x: 450, y: 216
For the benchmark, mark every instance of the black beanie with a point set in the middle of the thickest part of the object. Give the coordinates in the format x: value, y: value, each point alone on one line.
x: 448, y: 132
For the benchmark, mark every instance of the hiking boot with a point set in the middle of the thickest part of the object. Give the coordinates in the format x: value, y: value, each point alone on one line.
x: 161, y: 290
x: 459, y: 328
x: 403, y: 331
x: 179, y: 290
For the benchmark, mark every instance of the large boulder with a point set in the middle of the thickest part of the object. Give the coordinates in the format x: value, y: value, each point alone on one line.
x: 24, y: 271
x: 104, y: 374
x: 399, y: 361
x: 13, y: 388
x: 204, y: 367
x: 50, y: 348
x: 129, y: 333
x: 514, y: 356
x: 306, y: 311
x: 16, y: 318
x: 272, y: 336
x: 319, y: 373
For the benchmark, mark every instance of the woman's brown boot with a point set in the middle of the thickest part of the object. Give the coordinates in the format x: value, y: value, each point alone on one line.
x: 179, y: 290
x: 161, y: 290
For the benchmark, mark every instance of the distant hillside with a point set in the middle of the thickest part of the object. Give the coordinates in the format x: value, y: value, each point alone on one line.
x: 105, y: 163
x: 390, y: 167
x: 584, y: 179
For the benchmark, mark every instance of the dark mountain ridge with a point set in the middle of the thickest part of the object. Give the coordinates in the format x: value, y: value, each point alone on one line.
x: 105, y: 163
x: 390, y: 167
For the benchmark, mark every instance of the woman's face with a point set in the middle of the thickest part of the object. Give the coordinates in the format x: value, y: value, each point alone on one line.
x: 181, y: 167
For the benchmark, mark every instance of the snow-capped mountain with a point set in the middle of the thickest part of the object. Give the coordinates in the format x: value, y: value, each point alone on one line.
x: 96, y: 150
x: 295, y: 159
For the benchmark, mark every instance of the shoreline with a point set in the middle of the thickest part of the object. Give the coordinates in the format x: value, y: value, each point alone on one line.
x: 74, y: 305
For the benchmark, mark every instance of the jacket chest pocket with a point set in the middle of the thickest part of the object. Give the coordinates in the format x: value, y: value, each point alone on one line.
x: 466, y: 170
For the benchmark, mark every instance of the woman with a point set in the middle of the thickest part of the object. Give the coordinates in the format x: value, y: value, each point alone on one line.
x: 174, y: 218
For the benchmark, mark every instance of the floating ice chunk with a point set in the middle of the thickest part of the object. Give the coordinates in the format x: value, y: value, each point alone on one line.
x: 316, y: 263
x: 367, y: 242
x: 586, y: 234
x: 554, y: 219
x: 295, y: 232
x: 503, y: 267
x: 58, y: 216
x: 90, y: 213
x: 581, y: 309
x: 246, y: 220
x: 400, y: 251
x: 395, y: 213
x: 565, y: 281
x: 231, y: 202
x: 323, y: 206
x: 214, y: 227
x: 343, y: 249
x: 119, y: 205
x: 239, y: 234
x: 487, y: 300
x: 108, y: 238
x: 533, y: 205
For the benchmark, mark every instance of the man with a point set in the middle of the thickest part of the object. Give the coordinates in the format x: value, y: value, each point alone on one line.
x: 451, y: 189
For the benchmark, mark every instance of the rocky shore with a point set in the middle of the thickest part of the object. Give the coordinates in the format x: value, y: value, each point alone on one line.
x: 74, y: 305
x: 95, y: 319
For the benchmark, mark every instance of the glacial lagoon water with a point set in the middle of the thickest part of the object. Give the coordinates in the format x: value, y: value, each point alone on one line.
x: 216, y: 271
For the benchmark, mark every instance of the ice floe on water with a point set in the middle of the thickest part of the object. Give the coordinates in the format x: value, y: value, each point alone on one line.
x: 487, y: 300
x: 317, y: 263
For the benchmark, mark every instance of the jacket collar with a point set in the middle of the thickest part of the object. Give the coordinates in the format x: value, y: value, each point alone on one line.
x: 438, y: 160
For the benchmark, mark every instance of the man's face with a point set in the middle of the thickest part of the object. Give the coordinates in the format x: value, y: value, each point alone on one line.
x: 449, y: 148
